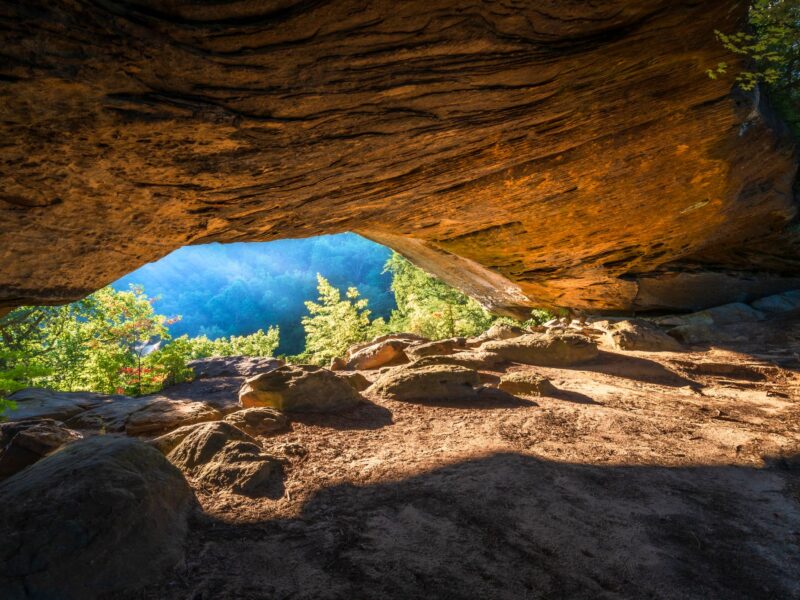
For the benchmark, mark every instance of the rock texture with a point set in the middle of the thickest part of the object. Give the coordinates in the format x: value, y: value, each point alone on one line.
x: 430, y: 383
x: 232, y: 366
x: 301, y: 388
x: 100, y: 516
x: 526, y: 384
x: 557, y: 350
x: 221, y: 455
x: 531, y: 153
x: 22, y: 443
x: 258, y: 421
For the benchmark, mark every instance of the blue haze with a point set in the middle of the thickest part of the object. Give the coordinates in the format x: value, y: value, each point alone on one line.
x: 236, y: 289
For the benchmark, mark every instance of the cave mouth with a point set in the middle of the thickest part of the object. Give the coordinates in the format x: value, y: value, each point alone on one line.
x: 221, y: 290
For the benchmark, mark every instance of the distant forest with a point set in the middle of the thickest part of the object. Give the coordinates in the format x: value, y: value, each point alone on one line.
x: 236, y: 289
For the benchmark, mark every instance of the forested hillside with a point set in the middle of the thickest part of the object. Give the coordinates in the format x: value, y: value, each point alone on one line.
x: 236, y: 289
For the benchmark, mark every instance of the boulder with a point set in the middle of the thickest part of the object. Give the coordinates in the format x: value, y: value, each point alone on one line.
x: 162, y: 414
x: 547, y: 350
x: 498, y: 331
x: 302, y: 388
x: 241, y: 467
x: 526, y: 384
x: 475, y: 359
x: 22, y: 443
x: 40, y: 403
x: 409, y: 338
x: 220, y: 455
x: 258, y: 421
x: 695, y: 333
x: 437, y: 348
x: 428, y: 383
x: 355, y: 379
x: 337, y: 364
x: 377, y: 355
x: 233, y: 366
x: 778, y: 303
x: 101, y: 516
x: 640, y: 335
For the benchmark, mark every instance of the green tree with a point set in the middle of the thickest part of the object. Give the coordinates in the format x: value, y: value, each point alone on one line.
x: 334, y: 323
x: 429, y: 307
x: 771, y: 46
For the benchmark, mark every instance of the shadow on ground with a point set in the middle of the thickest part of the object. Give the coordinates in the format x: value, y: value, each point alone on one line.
x: 511, y: 526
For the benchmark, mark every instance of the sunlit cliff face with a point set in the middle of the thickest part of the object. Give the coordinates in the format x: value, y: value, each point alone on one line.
x: 541, y: 154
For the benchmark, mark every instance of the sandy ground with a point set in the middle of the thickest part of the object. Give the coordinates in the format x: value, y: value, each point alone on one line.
x: 658, y: 475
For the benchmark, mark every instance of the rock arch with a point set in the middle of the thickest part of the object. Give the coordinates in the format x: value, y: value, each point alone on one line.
x: 532, y: 153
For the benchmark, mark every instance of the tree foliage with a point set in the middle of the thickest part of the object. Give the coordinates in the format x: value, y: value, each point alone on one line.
x: 111, y: 342
x: 771, y: 46
x: 333, y: 323
x: 427, y: 306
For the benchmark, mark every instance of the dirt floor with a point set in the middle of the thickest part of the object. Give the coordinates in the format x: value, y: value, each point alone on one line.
x: 657, y: 475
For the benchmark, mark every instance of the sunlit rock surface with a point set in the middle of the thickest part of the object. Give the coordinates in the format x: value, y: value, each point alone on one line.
x: 531, y: 153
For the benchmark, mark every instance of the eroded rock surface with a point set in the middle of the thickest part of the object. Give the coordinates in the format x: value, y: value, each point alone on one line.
x: 22, y: 443
x: 258, y: 421
x: 428, y: 383
x: 102, y: 515
x: 552, y: 350
x: 221, y: 455
x: 302, y: 388
x: 533, y: 153
x: 232, y: 366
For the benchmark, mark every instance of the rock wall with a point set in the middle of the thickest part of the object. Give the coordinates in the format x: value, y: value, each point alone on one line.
x: 533, y: 153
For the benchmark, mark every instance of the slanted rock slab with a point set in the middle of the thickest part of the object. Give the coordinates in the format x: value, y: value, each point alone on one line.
x: 303, y: 388
x: 379, y: 354
x: 547, y: 350
x: 428, y: 383
x: 101, y: 516
x: 161, y: 414
x: 41, y: 403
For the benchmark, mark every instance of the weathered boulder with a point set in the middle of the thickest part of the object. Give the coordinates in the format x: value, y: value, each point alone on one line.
x: 38, y: 403
x: 101, y: 516
x: 162, y: 414
x: 778, y: 303
x: 498, y: 331
x: 409, y: 338
x: 219, y: 454
x: 559, y: 350
x: 356, y: 379
x: 427, y: 383
x: 233, y: 366
x: 437, y: 348
x: 474, y: 359
x: 526, y: 384
x: 303, y: 388
x: 258, y: 421
x: 378, y: 354
x: 22, y: 443
x: 640, y: 335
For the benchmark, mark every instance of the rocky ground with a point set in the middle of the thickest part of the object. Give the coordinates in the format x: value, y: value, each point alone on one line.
x: 639, y: 474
